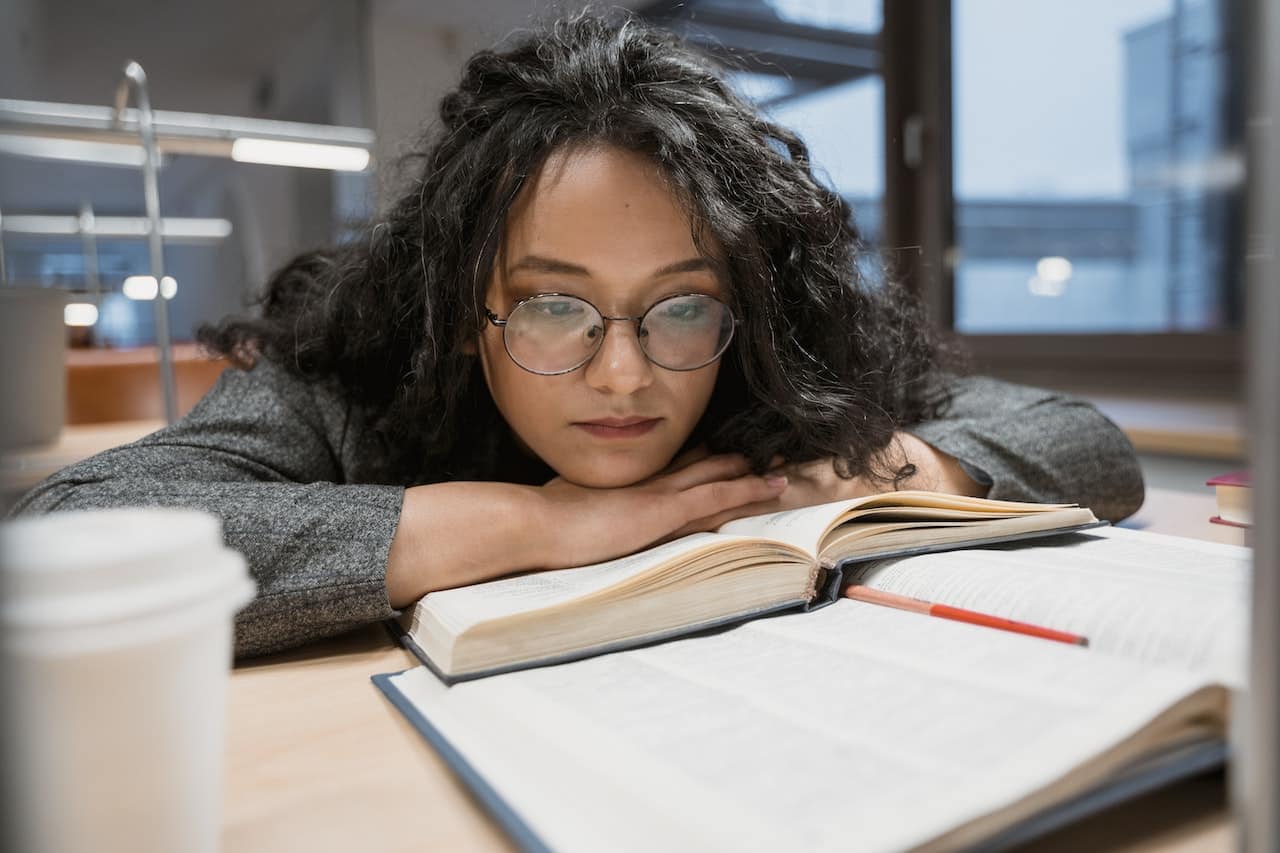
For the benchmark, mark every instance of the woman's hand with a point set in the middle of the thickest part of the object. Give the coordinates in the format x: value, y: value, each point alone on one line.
x: 816, y: 482
x: 452, y: 534
x: 581, y: 525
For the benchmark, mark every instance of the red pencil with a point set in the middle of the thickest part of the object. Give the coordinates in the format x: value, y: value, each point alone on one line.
x: 959, y: 614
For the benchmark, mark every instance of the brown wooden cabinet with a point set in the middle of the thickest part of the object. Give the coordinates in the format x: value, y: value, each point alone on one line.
x: 124, y: 385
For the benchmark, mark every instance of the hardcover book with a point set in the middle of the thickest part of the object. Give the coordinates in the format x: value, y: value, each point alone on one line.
x: 793, y: 560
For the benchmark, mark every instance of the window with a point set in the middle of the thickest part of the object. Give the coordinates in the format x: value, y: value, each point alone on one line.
x: 1095, y: 173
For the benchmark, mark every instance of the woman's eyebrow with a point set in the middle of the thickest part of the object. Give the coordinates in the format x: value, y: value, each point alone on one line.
x: 690, y: 265
x: 539, y: 264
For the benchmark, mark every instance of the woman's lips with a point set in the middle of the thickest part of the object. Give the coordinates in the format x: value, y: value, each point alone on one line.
x: 618, y: 427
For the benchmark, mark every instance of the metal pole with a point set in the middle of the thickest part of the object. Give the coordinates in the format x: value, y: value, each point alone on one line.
x: 4, y: 275
x: 136, y: 79
x: 1256, y: 779
x: 89, y: 248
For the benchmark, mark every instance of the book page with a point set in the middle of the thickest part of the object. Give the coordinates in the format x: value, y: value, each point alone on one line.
x: 535, y: 590
x: 825, y: 730
x: 803, y: 527
x: 1153, y: 598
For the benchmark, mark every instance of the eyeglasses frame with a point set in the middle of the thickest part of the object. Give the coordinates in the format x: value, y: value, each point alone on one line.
x: 501, y: 323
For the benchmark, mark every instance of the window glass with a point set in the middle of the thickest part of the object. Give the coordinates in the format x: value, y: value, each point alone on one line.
x: 1094, y: 175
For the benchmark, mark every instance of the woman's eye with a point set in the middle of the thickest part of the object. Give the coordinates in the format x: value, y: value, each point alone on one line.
x: 684, y: 311
x: 557, y: 307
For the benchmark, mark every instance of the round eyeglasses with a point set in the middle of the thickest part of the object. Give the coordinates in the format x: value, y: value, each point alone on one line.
x: 554, y: 333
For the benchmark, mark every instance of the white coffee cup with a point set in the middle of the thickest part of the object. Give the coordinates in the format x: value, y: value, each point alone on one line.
x: 117, y: 643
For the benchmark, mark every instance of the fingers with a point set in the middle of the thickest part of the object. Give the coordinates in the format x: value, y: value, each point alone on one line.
x: 725, y: 466
x: 712, y: 499
x: 713, y: 522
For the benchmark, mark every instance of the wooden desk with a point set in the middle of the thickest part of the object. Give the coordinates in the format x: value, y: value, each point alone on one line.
x: 1205, y: 429
x: 318, y: 760
x: 23, y: 467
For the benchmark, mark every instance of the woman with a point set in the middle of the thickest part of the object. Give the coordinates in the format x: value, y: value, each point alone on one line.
x: 614, y: 306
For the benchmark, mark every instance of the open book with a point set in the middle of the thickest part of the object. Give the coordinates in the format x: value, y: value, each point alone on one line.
x: 749, y: 567
x: 861, y: 727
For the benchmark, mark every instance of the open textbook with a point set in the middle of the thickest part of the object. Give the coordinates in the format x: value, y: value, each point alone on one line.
x: 748, y: 568
x: 863, y: 727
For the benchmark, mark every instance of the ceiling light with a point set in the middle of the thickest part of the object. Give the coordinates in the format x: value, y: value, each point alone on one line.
x: 289, y: 143
x: 143, y: 287
x: 173, y: 228
x: 80, y: 314
x: 307, y: 155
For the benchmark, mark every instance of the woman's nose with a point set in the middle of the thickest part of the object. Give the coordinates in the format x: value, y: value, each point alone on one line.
x: 620, y: 365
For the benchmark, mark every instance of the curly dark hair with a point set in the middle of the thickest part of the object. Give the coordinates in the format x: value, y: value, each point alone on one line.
x: 824, y: 363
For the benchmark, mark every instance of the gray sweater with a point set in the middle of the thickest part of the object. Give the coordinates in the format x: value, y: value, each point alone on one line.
x: 283, y: 462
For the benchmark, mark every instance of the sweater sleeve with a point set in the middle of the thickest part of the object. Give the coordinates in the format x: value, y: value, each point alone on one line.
x: 1036, y: 445
x: 268, y: 453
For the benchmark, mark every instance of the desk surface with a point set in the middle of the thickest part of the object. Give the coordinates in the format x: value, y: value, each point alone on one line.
x: 1207, y: 429
x: 317, y: 760
x: 23, y: 467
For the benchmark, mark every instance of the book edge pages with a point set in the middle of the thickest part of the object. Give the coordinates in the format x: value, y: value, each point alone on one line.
x: 1146, y: 776
x: 1091, y: 777
x: 719, y: 623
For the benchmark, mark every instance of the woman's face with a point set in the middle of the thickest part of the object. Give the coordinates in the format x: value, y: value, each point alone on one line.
x: 599, y: 223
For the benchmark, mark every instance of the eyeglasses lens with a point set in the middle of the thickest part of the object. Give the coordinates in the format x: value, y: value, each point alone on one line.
x: 556, y: 334
x: 552, y: 334
x: 685, y: 332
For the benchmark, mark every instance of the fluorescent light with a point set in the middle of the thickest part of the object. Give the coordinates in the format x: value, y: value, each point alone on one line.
x: 185, y: 228
x: 80, y: 314
x: 181, y: 229
x: 296, y: 143
x: 19, y: 224
x: 143, y: 287
x: 308, y: 155
x: 171, y: 227
x: 83, y: 151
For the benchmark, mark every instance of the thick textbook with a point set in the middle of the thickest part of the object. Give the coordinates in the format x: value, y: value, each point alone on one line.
x: 863, y: 727
x: 750, y: 567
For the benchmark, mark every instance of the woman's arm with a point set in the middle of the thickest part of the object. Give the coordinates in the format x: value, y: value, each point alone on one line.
x: 994, y: 440
x: 275, y: 458
x: 1034, y: 445
x: 269, y: 454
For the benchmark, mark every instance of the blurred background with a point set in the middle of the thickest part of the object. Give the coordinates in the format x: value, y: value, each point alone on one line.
x: 1060, y: 182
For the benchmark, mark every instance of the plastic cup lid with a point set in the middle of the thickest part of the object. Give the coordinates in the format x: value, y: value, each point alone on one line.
x: 108, y: 565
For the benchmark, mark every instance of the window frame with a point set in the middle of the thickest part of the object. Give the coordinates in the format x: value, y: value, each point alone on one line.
x: 920, y: 213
